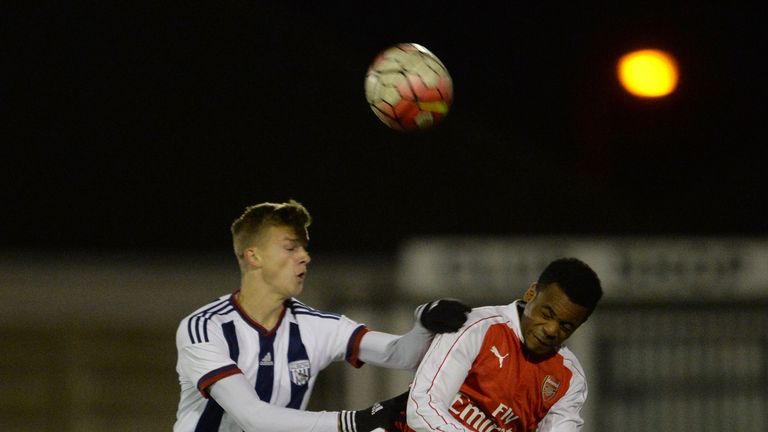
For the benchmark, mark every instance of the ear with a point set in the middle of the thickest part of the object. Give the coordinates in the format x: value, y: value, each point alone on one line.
x: 531, y: 292
x: 252, y: 257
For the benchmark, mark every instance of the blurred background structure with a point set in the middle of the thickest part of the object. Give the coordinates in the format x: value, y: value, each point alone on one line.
x: 680, y: 341
x: 133, y: 133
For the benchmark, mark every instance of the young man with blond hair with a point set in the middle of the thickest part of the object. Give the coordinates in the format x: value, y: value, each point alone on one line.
x: 249, y: 360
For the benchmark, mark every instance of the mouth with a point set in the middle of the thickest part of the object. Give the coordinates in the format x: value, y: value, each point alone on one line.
x: 301, y: 276
x: 542, y: 343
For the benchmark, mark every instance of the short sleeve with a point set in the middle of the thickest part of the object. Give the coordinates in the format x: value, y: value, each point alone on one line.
x: 203, y: 362
x: 330, y: 337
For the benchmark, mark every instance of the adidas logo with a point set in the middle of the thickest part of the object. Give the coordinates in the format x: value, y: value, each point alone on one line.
x: 376, y: 408
x: 266, y: 360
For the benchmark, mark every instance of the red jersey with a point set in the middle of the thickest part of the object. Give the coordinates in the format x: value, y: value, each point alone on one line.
x: 478, y: 379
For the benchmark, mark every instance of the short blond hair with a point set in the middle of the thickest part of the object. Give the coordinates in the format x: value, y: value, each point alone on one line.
x: 247, y: 228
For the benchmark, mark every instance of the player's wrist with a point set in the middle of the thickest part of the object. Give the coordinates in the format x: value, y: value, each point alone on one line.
x: 346, y: 421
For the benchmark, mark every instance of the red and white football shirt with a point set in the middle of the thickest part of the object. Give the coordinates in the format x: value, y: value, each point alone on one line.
x: 479, y: 379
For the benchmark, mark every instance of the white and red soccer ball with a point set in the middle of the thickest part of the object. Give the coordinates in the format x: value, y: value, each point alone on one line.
x: 408, y: 87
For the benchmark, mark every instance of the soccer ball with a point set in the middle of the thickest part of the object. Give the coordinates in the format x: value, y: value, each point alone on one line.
x: 408, y: 87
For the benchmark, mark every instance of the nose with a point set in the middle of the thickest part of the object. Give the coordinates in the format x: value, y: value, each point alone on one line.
x: 551, y: 329
x: 304, y: 257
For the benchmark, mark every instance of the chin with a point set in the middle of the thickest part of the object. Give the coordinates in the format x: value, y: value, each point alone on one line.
x: 540, y: 353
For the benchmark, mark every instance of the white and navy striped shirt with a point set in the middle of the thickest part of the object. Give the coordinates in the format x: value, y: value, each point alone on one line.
x: 219, y: 340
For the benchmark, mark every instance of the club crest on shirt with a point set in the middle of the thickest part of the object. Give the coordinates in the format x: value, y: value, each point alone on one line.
x: 549, y: 387
x: 299, y: 370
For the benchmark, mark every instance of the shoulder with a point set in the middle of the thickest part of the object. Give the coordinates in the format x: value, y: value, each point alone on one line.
x: 317, y: 321
x: 327, y: 331
x: 219, y: 306
x: 487, y: 316
x: 568, y: 401
x: 479, y: 324
x: 571, y: 362
x: 195, y: 327
x: 302, y: 311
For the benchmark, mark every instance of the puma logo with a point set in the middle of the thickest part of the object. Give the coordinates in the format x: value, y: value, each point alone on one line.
x: 496, y: 352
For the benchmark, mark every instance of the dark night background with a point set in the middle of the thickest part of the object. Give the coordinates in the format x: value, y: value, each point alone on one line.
x: 151, y: 125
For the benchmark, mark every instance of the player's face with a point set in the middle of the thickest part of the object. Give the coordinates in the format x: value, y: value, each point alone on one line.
x: 283, y: 258
x: 549, y: 318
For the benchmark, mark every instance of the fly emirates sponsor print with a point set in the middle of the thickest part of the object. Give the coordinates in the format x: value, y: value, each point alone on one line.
x: 474, y: 418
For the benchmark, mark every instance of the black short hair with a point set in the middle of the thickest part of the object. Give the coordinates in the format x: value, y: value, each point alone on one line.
x: 579, y: 282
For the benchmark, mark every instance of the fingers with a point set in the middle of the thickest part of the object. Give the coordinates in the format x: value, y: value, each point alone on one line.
x: 445, y: 315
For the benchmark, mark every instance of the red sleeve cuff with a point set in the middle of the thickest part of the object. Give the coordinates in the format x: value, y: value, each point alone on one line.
x: 215, y: 375
x: 353, y: 346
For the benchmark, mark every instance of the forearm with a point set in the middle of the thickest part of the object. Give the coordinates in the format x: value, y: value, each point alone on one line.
x: 238, y: 399
x: 406, y: 351
x: 393, y: 351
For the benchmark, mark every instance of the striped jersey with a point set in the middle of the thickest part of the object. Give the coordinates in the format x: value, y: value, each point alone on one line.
x: 479, y: 379
x: 219, y: 340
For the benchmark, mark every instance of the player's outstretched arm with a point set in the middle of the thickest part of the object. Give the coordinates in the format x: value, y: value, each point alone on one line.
x: 237, y: 397
x: 406, y: 351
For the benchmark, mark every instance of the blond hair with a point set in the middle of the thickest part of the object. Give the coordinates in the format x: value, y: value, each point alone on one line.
x: 247, y: 228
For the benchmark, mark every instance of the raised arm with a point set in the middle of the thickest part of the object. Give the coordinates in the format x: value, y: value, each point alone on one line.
x: 405, y: 351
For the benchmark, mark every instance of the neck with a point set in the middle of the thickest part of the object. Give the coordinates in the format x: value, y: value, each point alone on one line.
x: 263, y: 308
x: 520, y: 309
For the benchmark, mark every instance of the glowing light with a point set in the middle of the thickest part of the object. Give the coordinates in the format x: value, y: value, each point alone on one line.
x: 648, y: 73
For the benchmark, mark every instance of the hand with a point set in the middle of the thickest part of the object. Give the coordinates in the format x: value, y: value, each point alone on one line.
x: 388, y: 414
x: 444, y: 315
